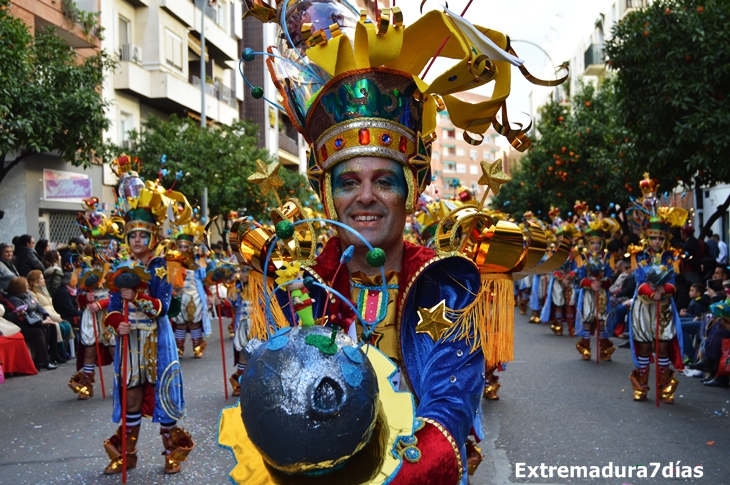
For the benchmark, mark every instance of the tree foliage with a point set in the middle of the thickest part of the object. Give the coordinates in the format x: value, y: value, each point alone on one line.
x: 581, y: 154
x: 50, y: 98
x: 219, y: 158
x: 673, y: 82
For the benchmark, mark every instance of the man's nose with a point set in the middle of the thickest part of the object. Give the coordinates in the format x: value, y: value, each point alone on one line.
x: 366, y: 195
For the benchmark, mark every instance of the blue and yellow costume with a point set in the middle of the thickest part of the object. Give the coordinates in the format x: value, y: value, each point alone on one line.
x: 654, y: 324
x: 149, y: 348
x: 351, y: 87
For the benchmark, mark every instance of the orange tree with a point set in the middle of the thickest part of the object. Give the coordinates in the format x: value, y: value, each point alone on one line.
x: 580, y: 153
x: 672, y: 63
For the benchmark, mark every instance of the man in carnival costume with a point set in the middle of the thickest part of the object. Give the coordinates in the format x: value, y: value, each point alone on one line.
x: 188, y: 286
x: 655, y: 326
x: 139, y: 297
x: 594, y: 276
x: 370, y: 122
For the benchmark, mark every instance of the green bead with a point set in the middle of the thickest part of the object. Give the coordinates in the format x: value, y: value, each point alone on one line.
x: 284, y: 230
x: 248, y: 54
x: 257, y: 92
x: 376, y: 257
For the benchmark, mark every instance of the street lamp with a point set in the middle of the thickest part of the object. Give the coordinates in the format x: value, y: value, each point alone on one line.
x: 203, y: 4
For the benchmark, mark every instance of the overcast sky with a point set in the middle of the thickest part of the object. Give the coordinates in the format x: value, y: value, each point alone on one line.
x: 555, y: 25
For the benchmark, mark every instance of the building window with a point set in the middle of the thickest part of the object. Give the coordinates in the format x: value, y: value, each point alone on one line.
x: 448, y: 150
x: 124, y: 34
x: 449, y: 133
x: 449, y: 167
x: 488, y: 155
x: 126, y: 124
x: 460, y: 152
x: 474, y: 169
x: 460, y: 168
x: 173, y: 49
x: 473, y: 153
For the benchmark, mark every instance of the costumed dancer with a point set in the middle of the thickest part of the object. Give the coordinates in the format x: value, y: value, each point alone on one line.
x: 370, y: 122
x: 654, y: 325
x: 538, y: 282
x: 557, y: 294
x: 104, y: 234
x: 594, y: 276
x: 238, y: 295
x: 194, y: 303
x: 139, y: 297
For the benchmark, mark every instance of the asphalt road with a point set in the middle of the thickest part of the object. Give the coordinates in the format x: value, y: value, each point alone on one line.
x: 554, y: 409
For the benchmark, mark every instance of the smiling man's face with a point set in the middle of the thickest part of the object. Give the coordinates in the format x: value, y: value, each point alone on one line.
x: 369, y: 195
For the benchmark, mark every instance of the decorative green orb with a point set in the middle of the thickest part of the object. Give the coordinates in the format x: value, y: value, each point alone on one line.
x: 257, y: 92
x: 284, y: 230
x: 248, y: 54
x: 376, y: 257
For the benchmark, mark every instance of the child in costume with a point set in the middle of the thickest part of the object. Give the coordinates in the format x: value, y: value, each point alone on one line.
x: 654, y: 322
x: 139, y: 298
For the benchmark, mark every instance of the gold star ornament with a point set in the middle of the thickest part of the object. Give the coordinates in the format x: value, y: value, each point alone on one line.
x: 160, y: 272
x: 433, y: 321
x: 266, y: 177
x: 493, y: 176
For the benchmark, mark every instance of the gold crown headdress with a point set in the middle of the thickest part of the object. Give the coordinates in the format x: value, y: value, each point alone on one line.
x: 352, y: 87
x: 147, y: 204
x: 648, y: 218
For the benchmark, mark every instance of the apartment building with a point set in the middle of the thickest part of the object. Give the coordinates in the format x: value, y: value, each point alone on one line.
x: 456, y: 163
x: 158, y: 45
x: 42, y: 194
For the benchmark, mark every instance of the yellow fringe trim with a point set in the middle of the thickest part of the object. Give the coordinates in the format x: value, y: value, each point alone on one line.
x: 258, y: 294
x: 489, y: 320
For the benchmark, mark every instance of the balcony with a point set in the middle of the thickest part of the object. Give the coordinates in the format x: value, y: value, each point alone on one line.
x: 218, y: 91
x: 170, y: 93
x: 219, y: 44
x: 288, y: 144
x: 593, y: 61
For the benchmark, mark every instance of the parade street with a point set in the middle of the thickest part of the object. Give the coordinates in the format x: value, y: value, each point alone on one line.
x: 554, y: 409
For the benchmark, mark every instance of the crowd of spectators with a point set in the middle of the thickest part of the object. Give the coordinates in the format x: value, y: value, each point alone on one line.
x: 37, y: 298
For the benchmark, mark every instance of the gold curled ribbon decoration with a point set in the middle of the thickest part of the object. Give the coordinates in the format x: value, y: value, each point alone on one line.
x: 335, y: 30
x: 446, y: 5
x: 517, y: 137
x: 440, y: 105
x: 460, y: 229
x: 473, y: 141
x: 397, y: 17
x: 301, y: 246
x: 384, y: 21
x: 489, y: 67
x: 306, y: 31
x: 158, y: 199
x: 537, y: 81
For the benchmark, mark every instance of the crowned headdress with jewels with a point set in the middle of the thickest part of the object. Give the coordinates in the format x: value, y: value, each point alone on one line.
x: 352, y: 86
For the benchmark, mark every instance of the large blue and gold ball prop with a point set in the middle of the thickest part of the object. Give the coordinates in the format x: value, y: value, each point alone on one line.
x: 308, y: 410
